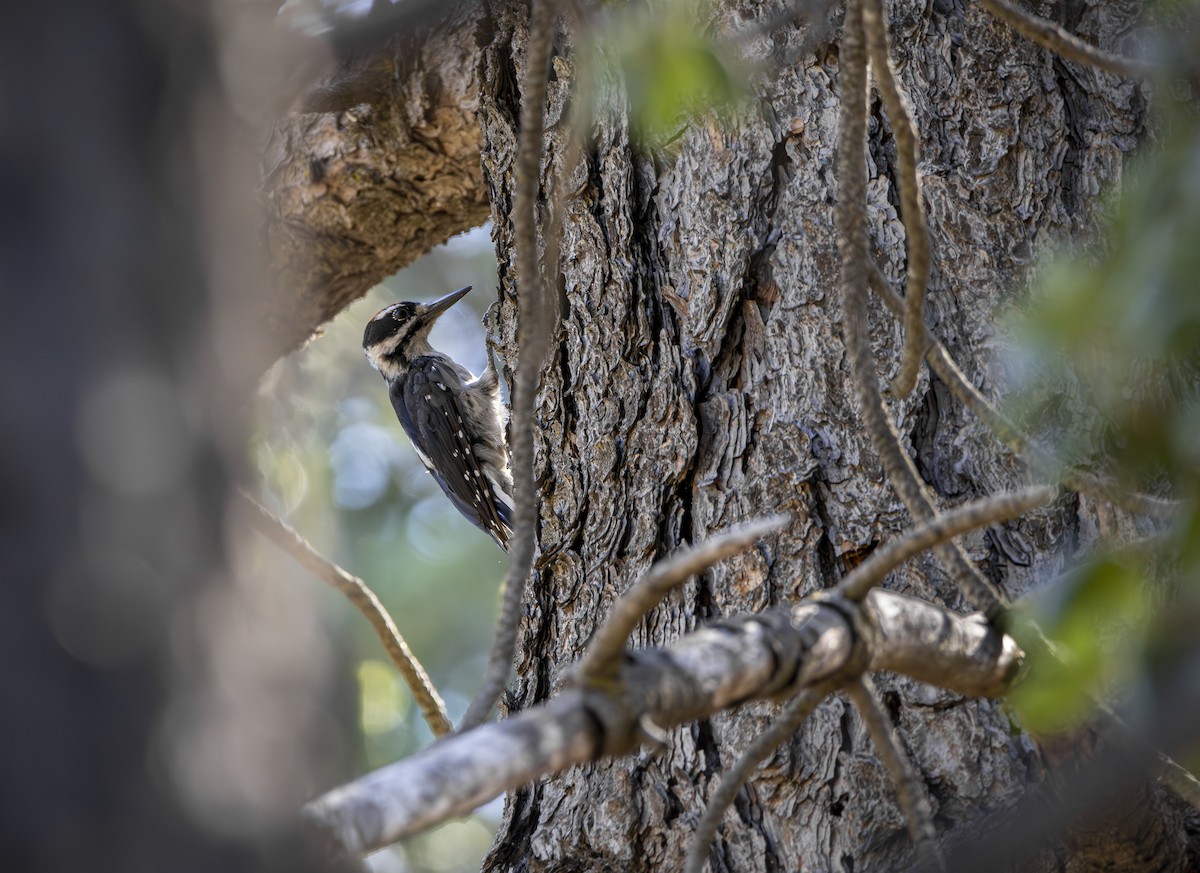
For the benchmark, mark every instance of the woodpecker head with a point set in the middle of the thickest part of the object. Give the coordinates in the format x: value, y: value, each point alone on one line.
x: 400, y: 332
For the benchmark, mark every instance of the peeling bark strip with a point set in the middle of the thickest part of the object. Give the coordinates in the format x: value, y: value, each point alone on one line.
x: 743, y: 659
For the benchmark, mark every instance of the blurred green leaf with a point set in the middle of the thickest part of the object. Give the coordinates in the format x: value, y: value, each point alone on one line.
x: 1106, y: 371
x: 1108, y: 352
x: 672, y: 71
x: 1097, y: 618
x: 383, y: 699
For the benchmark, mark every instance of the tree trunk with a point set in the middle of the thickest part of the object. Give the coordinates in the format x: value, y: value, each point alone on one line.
x: 699, y: 379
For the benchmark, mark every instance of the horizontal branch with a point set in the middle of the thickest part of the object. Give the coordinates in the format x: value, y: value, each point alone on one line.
x: 748, y: 658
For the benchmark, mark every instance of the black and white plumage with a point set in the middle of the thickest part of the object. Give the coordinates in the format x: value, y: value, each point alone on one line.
x: 455, y: 420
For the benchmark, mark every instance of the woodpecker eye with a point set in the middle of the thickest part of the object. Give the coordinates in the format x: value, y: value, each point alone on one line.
x: 388, y: 322
x: 398, y: 312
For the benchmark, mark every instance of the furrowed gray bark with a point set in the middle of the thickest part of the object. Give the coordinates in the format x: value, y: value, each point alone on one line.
x: 699, y: 380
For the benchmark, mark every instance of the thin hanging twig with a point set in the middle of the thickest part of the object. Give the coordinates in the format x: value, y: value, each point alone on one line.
x: 956, y: 382
x: 365, y: 601
x: 783, y: 726
x: 533, y: 340
x: 1050, y: 36
x: 851, y: 220
x: 913, y: 802
x: 912, y: 212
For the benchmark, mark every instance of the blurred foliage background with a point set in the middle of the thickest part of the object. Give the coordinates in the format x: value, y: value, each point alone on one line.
x: 335, y: 463
x: 1107, y: 364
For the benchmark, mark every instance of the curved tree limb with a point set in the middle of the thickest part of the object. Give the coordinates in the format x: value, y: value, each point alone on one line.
x: 978, y: 513
x: 364, y: 600
x: 342, y: 213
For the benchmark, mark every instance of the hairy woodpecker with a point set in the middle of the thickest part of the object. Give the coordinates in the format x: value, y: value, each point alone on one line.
x: 455, y: 420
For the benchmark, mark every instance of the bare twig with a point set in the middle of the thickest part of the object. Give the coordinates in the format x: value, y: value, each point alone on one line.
x: 365, y: 601
x: 851, y: 220
x: 916, y: 233
x: 947, y: 370
x: 956, y: 382
x: 1107, y: 489
x: 913, y: 802
x: 1050, y: 36
x: 782, y: 727
x: 978, y: 513
x: 751, y: 657
x: 533, y: 339
x: 603, y: 656
x: 1174, y: 775
x: 1179, y: 779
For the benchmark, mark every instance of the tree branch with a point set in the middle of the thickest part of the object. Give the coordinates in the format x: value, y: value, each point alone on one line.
x: 533, y: 340
x: 365, y: 601
x: 956, y: 382
x: 717, y: 667
x: 912, y: 212
x: 342, y: 211
x: 913, y: 801
x: 851, y: 220
x: 978, y: 513
x: 601, y: 661
x: 783, y: 726
x: 1050, y: 36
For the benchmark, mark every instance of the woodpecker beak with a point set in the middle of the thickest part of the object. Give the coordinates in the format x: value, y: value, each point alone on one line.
x: 437, y: 307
